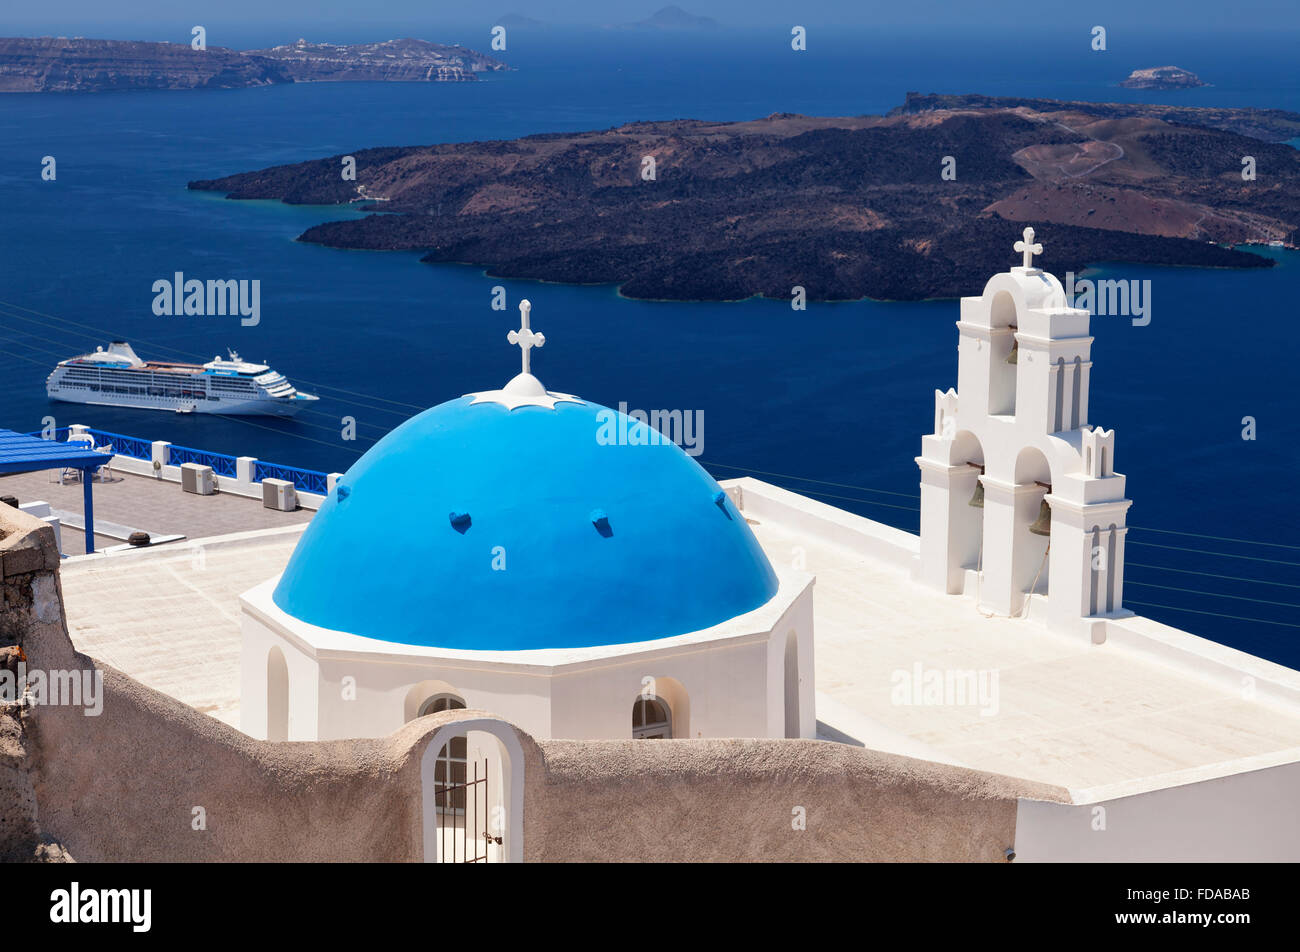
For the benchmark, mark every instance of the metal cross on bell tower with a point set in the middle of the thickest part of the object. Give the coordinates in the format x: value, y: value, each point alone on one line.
x: 1028, y: 248
x: 525, y: 337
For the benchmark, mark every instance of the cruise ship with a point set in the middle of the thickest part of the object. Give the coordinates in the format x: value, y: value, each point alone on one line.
x: 116, y: 377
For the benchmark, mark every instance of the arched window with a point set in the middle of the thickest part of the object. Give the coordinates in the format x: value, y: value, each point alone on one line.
x: 441, y: 702
x: 450, y: 770
x: 652, y: 719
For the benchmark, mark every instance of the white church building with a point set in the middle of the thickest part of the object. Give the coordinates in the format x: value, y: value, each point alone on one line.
x: 589, y: 588
x: 577, y: 585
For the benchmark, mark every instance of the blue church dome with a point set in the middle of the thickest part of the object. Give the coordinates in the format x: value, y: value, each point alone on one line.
x: 488, y: 524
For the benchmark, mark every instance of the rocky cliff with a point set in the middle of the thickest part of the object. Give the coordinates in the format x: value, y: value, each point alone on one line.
x: 57, y: 64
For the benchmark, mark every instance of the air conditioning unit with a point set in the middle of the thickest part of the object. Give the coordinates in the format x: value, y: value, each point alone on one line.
x: 279, y: 494
x: 196, y: 478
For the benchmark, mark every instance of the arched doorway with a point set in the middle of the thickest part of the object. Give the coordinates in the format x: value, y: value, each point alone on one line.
x: 451, y: 766
x: 277, y: 695
x: 490, y: 828
x: 652, y: 719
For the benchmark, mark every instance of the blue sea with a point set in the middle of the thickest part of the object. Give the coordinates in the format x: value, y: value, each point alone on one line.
x: 831, y: 401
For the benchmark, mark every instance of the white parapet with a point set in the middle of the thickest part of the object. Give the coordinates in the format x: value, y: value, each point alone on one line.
x: 162, y: 455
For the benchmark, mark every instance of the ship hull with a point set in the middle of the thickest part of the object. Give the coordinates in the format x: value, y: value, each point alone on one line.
x: 277, y: 408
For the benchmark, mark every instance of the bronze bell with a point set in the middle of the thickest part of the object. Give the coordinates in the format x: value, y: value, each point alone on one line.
x: 1042, y: 526
x: 1015, y: 350
x: 977, y: 497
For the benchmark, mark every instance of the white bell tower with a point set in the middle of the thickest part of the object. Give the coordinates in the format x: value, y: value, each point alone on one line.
x: 1017, y: 429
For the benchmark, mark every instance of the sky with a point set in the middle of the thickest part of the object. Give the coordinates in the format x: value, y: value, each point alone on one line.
x: 341, y: 20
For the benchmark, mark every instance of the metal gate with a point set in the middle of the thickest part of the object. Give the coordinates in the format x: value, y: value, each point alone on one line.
x: 464, y: 812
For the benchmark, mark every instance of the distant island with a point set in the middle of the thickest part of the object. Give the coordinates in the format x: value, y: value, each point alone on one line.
x: 519, y: 20
x: 58, y: 64
x: 844, y: 207
x: 671, y: 17
x: 1271, y: 125
x: 1162, y: 77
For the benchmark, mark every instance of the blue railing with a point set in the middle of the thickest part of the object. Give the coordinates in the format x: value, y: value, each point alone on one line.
x: 221, y: 464
x: 123, y: 445
x: 304, y: 480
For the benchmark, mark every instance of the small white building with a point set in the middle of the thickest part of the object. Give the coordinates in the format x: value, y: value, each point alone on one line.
x: 1019, y: 494
x: 540, y: 557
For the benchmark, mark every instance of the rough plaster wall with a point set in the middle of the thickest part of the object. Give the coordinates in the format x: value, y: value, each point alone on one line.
x: 124, y: 785
x: 28, y: 592
x: 733, y: 800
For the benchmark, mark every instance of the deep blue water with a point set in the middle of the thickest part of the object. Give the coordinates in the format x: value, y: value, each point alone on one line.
x: 839, y: 394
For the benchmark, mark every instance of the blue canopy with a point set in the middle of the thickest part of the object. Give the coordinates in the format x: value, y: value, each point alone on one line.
x: 20, y: 453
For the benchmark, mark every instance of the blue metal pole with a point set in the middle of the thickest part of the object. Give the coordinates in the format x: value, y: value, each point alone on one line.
x: 88, y: 509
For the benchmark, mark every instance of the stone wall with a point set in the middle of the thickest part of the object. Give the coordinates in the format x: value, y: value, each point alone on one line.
x: 746, y: 800
x: 150, y: 778
x: 29, y: 594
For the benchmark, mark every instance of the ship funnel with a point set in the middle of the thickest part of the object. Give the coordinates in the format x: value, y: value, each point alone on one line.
x: 121, y: 348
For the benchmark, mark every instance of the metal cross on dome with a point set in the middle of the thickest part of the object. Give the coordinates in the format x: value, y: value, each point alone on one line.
x: 1027, y: 247
x: 525, y: 337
